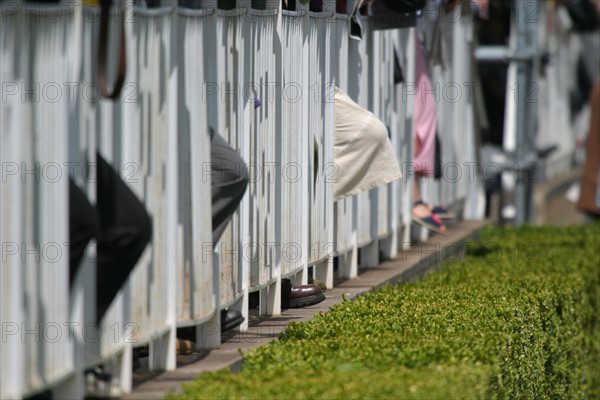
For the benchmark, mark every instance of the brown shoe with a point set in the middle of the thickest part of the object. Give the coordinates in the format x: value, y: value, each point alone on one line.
x: 293, y: 296
x: 184, y: 347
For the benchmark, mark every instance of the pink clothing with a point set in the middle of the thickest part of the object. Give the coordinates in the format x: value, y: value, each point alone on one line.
x: 425, y: 115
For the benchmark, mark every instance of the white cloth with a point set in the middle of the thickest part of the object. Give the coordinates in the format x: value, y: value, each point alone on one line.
x: 363, y: 154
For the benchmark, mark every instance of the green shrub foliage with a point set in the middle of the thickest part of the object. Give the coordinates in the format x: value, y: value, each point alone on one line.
x: 515, y: 317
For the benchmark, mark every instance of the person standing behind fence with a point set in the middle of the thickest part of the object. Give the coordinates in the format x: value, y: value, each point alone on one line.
x: 122, y: 227
x: 425, y: 127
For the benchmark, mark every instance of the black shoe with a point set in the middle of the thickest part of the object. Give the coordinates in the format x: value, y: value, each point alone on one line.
x: 296, y: 296
x: 231, y: 319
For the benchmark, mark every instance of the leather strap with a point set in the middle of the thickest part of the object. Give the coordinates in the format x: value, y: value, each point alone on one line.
x: 105, y: 6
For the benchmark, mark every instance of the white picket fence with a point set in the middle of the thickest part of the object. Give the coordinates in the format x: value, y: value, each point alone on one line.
x: 188, y: 70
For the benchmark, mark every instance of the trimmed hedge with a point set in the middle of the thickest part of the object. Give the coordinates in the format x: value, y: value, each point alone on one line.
x: 516, y: 318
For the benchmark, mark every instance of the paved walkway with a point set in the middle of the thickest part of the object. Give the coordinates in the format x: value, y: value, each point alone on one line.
x: 409, y: 265
x: 552, y: 205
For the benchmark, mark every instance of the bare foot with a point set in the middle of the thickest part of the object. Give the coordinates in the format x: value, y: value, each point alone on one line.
x: 421, y: 211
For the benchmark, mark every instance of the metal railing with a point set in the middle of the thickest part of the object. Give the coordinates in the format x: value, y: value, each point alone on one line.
x: 188, y: 70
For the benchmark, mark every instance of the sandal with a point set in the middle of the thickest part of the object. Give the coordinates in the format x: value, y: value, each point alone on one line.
x: 431, y: 222
x: 443, y: 212
x: 440, y: 211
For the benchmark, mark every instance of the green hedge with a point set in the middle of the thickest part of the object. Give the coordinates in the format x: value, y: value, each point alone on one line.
x: 516, y: 318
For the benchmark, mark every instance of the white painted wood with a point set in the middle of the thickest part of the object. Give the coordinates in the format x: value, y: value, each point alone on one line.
x: 294, y: 177
x: 12, y: 142
x: 321, y: 128
x: 195, y: 285
x: 190, y: 70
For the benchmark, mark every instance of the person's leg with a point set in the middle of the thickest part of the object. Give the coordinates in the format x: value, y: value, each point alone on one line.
x: 125, y: 230
x: 229, y: 179
x: 422, y: 212
x: 425, y: 127
x: 418, y: 175
x: 83, y: 226
x: 228, y: 185
x: 420, y: 209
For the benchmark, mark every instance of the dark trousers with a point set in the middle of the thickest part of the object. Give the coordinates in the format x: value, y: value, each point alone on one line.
x: 229, y: 180
x: 121, y: 226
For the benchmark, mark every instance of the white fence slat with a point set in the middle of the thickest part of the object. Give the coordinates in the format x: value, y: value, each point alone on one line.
x: 261, y: 249
x: 321, y: 128
x: 407, y: 44
x: 345, y: 237
x: 196, y: 295
x: 232, y: 56
x: 144, y: 132
x: 12, y: 141
x: 294, y: 178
